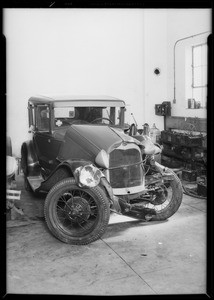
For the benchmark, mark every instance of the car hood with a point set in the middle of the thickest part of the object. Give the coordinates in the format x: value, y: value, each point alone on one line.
x: 86, y: 141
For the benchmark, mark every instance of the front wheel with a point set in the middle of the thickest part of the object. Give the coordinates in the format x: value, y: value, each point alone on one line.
x: 76, y: 215
x: 168, y: 198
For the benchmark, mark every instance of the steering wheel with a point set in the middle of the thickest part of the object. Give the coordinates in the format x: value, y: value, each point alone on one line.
x: 132, y: 129
x: 97, y: 119
x: 65, y: 121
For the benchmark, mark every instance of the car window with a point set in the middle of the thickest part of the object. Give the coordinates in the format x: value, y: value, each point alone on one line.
x: 42, y: 118
x: 65, y: 116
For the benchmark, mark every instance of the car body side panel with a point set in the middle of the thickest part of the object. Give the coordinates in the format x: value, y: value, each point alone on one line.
x: 47, y: 149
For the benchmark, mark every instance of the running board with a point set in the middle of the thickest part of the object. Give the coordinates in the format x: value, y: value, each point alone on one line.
x: 35, y: 181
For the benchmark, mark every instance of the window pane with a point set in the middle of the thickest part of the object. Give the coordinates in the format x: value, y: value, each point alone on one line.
x: 42, y: 118
x: 67, y: 116
x: 200, y: 95
x: 197, y: 94
x: 204, y: 97
x: 204, y: 55
x: 197, y: 56
x: 197, y: 77
x: 204, y: 75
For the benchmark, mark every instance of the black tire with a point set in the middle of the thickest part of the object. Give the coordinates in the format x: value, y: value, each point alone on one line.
x: 76, y: 215
x: 172, y: 202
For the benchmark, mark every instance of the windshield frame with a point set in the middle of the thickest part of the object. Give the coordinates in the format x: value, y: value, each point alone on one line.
x: 113, y: 112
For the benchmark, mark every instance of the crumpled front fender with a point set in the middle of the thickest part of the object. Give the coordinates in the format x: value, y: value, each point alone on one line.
x: 73, y: 165
x: 63, y: 170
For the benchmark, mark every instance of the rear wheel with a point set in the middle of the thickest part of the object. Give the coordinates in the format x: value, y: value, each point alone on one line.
x: 76, y: 215
x: 168, y: 198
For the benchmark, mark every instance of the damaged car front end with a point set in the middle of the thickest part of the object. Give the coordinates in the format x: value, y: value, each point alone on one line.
x: 82, y: 158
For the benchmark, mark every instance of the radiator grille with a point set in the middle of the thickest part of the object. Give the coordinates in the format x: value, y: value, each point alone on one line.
x: 127, y: 170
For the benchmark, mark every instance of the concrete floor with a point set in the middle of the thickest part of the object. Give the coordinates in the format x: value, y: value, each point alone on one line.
x: 132, y: 257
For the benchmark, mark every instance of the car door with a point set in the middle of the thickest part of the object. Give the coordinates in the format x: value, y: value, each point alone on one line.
x: 47, y: 146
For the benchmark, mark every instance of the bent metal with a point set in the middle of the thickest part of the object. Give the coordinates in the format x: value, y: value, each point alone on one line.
x: 86, y: 159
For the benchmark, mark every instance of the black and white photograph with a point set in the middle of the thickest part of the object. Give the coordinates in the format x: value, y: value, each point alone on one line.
x: 106, y: 150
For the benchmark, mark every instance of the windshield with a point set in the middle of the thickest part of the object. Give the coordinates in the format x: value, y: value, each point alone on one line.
x: 64, y: 116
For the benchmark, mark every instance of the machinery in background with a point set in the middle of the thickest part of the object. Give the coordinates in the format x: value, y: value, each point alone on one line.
x: 163, y: 109
x: 187, y: 151
x: 184, y: 149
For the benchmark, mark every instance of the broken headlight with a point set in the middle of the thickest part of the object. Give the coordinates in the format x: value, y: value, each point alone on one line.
x: 88, y: 176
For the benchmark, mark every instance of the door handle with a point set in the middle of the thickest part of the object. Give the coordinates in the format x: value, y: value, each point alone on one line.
x: 49, y: 140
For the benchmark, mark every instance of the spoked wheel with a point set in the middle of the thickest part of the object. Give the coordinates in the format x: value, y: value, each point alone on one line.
x: 76, y: 215
x: 168, y: 198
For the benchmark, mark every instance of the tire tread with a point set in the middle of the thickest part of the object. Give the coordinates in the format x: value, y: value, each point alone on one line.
x: 82, y: 240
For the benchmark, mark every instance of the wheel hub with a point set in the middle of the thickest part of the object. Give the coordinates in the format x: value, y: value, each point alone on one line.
x: 78, y: 209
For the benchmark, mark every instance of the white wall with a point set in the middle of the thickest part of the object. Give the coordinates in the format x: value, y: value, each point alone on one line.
x: 72, y: 51
x: 96, y: 51
x: 162, y: 28
x: 183, y: 23
x: 155, y: 56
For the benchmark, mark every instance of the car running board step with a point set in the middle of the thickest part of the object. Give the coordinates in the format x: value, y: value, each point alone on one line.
x: 35, y: 181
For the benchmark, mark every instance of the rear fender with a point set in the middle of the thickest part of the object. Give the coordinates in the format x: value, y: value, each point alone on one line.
x: 29, y: 161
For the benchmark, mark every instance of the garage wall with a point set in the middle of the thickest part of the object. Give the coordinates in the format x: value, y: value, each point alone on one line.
x: 94, y: 51
x: 162, y: 28
x: 183, y: 23
x: 155, y: 56
x: 75, y: 51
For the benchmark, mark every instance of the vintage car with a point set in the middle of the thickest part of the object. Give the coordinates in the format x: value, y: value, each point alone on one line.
x: 57, y: 146
x: 80, y: 156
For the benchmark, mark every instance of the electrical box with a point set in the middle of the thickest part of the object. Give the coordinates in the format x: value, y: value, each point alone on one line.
x: 163, y: 109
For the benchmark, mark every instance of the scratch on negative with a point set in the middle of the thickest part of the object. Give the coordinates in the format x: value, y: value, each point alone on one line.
x: 52, y: 4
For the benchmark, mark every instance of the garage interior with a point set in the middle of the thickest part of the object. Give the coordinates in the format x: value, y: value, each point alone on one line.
x: 156, y: 60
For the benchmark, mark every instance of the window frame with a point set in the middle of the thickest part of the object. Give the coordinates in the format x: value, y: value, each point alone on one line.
x: 38, y: 116
x: 194, y: 67
x: 202, y: 88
